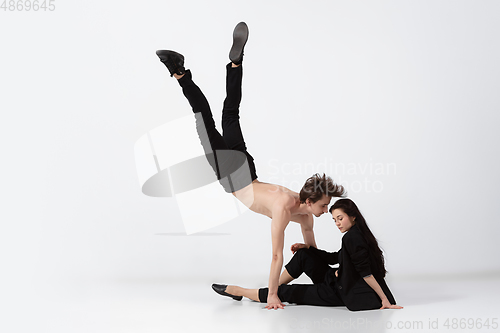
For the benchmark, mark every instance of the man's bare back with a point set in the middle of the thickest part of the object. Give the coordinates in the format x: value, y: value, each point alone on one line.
x: 262, y: 198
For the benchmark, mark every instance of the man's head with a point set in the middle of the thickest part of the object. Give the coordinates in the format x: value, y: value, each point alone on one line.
x: 318, y: 191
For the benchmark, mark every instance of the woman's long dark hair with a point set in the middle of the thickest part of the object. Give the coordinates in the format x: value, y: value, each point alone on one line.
x: 350, y: 208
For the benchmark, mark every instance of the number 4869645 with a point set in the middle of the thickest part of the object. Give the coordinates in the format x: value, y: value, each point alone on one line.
x: 28, y: 5
x: 470, y: 323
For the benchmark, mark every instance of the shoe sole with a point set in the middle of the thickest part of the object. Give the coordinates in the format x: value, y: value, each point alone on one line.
x: 240, y: 37
x: 162, y: 54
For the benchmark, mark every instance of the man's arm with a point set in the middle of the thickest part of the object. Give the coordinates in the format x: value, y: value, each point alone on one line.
x: 307, y: 231
x: 281, y: 218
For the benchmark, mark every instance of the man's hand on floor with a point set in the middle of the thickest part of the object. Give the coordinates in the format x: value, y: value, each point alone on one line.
x: 273, y: 302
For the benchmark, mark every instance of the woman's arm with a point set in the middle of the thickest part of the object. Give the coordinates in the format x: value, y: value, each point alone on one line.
x: 358, y: 252
x: 376, y: 287
x: 330, y: 258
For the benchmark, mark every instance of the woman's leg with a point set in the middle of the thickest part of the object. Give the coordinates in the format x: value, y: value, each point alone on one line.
x: 306, y: 294
x: 305, y: 261
x: 253, y: 294
x: 285, y: 277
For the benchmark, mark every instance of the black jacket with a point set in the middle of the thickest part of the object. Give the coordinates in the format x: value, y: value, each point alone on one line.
x: 354, y: 264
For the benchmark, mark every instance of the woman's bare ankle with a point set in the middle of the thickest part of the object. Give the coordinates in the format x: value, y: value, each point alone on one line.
x: 178, y: 76
x: 232, y: 290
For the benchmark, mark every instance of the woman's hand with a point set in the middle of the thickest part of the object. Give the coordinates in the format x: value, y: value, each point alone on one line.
x: 387, y: 305
x: 273, y: 302
x: 297, y: 246
x: 337, y: 273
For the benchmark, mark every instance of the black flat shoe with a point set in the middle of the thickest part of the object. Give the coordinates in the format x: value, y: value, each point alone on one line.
x: 240, y: 37
x: 173, y: 60
x: 221, y: 290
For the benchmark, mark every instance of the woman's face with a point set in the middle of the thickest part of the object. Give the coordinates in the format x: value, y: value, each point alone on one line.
x: 343, y: 221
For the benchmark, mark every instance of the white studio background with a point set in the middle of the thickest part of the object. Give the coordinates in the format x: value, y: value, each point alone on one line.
x: 396, y: 99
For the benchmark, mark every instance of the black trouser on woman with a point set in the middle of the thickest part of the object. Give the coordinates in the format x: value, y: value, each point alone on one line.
x: 226, y: 153
x: 320, y: 293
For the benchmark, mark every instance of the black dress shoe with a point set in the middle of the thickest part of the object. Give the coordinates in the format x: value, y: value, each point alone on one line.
x: 221, y: 289
x: 173, y: 60
x: 240, y: 37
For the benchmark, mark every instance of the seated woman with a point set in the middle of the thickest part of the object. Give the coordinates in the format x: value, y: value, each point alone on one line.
x: 358, y: 283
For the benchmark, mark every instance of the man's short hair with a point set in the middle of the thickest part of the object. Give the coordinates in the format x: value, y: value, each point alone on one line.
x: 317, y: 185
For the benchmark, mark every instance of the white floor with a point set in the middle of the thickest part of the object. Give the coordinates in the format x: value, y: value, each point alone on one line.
x: 162, y: 305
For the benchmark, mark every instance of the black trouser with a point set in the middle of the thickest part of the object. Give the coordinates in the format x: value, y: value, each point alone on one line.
x: 319, y: 293
x: 226, y: 153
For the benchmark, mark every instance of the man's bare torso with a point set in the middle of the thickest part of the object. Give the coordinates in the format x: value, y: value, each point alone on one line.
x: 263, y: 197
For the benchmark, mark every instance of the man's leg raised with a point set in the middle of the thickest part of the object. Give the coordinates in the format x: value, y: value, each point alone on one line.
x: 210, y: 138
x: 231, y: 129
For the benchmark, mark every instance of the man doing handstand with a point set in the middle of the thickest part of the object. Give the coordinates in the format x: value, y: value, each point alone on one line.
x: 277, y: 202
